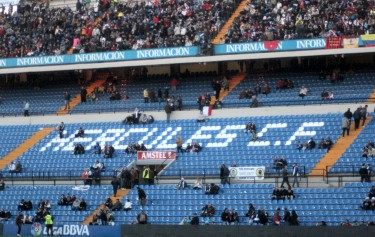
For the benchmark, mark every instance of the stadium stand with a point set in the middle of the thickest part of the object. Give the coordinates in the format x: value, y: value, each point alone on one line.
x: 223, y: 141
x: 268, y: 21
x: 105, y: 26
x: 353, y: 158
x: 312, y: 205
x: 11, y: 196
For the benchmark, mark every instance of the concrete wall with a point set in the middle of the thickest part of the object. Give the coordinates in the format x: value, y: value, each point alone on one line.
x: 243, y: 231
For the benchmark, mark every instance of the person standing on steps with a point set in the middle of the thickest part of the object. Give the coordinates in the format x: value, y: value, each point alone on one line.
x: 49, y: 224
x: 115, y: 184
x: 83, y: 94
x: 61, y: 129
x: 67, y: 100
x: 357, y: 118
x: 168, y: 111
x: 345, y: 125
x: 19, y: 223
x: 26, y: 108
x: 295, y: 175
x: 285, y: 177
x: 364, y: 115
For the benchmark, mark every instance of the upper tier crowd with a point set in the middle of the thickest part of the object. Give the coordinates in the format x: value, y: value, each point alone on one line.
x: 105, y: 25
x: 267, y: 20
x: 37, y: 30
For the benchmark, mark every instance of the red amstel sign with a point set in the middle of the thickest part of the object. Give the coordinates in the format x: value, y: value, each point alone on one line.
x: 156, y: 155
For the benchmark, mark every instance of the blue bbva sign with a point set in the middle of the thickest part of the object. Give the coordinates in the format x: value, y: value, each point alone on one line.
x: 100, y: 57
x: 270, y: 46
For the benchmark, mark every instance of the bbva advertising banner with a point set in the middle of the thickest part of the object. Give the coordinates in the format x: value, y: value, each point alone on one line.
x: 38, y: 229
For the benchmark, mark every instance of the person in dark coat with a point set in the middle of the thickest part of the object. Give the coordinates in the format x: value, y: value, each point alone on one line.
x: 357, y: 118
x: 115, y: 184
x: 285, y: 177
x: 83, y: 94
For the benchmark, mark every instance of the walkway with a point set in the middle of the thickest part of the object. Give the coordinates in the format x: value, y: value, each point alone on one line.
x: 75, y: 101
x: 120, y: 195
x: 337, y: 150
x: 232, y: 84
x: 22, y: 148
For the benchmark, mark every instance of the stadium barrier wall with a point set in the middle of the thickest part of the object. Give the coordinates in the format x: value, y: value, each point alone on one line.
x: 243, y: 231
x: 39, y: 229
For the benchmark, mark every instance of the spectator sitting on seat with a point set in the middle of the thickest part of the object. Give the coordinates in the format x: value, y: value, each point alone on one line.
x: 284, y: 162
x: 289, y: 84
x: 78, y: 149
x: 75, y: 205
x: 195, y: 219
x: 324, y: 95
x: 286, y: 217
x: 189, y: 147
x: 128, y: 205
x: 212, y: 189
x: 117, y: 206
x: 70, y: 199
x: 233, y: 217
x: 91, y: 97
x: 108, y: 152
x: 322, y: 144
x: 254, y: 102
x: 97, y: 148
x: 142, y: 218
x: 208, y: 211
x: 371, y: 193
x: 263, y: 217
x: 251, y: 212
x: 281, y: 84
x: 82, y: 205
x: 330, y: 95
x: 225, y: 216
x: 80, y: 132
x: 302, y: 92
x: 115, y: 96
x: 294, y: 218
x: 311, y: 144
x: 2, y: 184
x: 276, y: 194
x: 12, y: 167
x: 266, y: 89
x: 366, y: 205
x: 62, y: 201
x: 181, y: 184
x: 276, y: 217
x: 198, y: 184
x: 277, y: 163
x: 142, y: 147
x: 97, y: 165
x: 289, y: 194
x: 196, y: 147
x: 370, y: 144
x: 108, y: 203
x: 299, y: 145
x: 19, y: 167
x: 346, y: 223
x: 22, y: 205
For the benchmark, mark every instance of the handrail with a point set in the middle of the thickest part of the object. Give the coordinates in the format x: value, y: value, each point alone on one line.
x: 226, y: 104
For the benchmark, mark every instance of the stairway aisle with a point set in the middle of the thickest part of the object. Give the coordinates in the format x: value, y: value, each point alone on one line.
x: 337, y: 150
x: 22, y: 148
x: 226, y: 26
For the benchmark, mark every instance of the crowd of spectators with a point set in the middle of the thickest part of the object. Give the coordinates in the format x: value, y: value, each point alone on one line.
x: 283, y: 194
x: 37, y: 30
x: 369, y: 201
x: 284, y: 20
